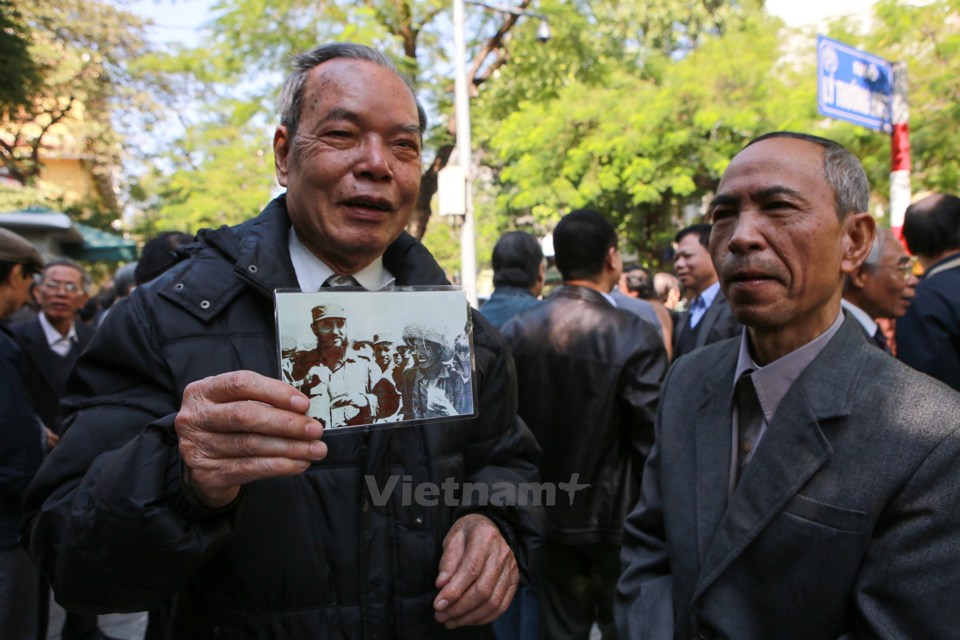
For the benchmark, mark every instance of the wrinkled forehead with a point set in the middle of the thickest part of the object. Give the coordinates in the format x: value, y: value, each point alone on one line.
x: 776, y: 162
x: 63, y: 273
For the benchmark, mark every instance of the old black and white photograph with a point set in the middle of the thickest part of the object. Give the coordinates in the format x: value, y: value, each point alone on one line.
x: 377, y: 358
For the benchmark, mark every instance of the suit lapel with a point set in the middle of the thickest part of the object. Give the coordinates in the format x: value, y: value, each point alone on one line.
x: 709, y: 317
x: 792, y: 450
x: 713, y: 438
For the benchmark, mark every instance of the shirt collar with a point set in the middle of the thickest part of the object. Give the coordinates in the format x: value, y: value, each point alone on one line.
x: 860, y: 316
x: 707, y: 295
x: 312, y: 272
x: 52, y: 335
x: 774, y: 380
x: 609, y: 298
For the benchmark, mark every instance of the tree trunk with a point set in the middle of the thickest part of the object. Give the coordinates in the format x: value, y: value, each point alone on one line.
x: 428, y: 186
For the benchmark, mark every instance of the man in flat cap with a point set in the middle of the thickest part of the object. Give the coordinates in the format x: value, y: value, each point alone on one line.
x: 21, y: 447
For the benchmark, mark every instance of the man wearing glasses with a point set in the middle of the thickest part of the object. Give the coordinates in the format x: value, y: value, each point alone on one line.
x: 882, y: 287
x: 53, y: 341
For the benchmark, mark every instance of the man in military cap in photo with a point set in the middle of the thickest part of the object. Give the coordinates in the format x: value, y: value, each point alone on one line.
x: 344, y: 389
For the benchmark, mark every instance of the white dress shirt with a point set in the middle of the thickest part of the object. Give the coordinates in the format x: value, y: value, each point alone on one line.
x: 312, y: 272
x: 60, y: 344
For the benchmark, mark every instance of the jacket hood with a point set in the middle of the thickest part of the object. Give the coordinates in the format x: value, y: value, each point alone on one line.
x: 256, y: 249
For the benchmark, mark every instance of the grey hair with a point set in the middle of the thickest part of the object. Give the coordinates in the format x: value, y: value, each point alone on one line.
x: 291, y: 94
x: 876, y: 249
x: 124, y: 279
x: 843, y: 170
x: 62, y: 261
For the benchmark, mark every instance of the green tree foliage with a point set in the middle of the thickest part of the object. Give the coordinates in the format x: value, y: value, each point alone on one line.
x: 643, y: 141
x: 223, y: 174
x: 20, y: 75
x: 85, y: 53
x: 632, y: 107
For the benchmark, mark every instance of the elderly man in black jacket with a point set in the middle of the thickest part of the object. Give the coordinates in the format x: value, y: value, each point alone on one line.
x: 190, y: 475
x: 588, y: 379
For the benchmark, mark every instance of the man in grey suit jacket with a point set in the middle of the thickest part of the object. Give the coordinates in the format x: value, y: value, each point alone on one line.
x: 708, y: 319
x: 803, y: 484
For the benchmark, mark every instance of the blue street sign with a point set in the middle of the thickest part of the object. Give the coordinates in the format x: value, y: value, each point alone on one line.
x: 853, y: 85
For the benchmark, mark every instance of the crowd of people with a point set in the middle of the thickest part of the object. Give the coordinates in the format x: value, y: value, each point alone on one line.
x: 754, y: 464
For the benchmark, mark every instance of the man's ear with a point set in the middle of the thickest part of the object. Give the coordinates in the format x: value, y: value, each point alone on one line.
x: 281, y: 153
x: 858, y: 232
x: 857, y: 277
x: 14, y: 275
x: 611, y: 260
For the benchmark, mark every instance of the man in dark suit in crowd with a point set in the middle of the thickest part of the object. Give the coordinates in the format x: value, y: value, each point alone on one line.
x: 518, y: 275
x: 22, y: 602
x: 708, y: 318
x: 588, y: 375
x: 803, y: 485
x: 928, y: 335
x: 52, y: 344
x: 882, y: 287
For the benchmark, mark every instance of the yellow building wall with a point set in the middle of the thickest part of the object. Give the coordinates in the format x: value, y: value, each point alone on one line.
x: 67, y: 177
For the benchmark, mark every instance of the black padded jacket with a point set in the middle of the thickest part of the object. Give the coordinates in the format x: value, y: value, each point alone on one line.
x: 310, y: 556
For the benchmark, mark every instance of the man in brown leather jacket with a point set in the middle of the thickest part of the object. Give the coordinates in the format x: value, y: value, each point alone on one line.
x: 588, y: 381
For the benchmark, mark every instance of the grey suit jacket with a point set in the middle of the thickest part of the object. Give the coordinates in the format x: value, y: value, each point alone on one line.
x: 635, y: 305
x: 846, y: 523
x: 716, y: 324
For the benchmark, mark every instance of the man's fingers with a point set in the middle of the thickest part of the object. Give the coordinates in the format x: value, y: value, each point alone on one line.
x: 488, y: 607
x: 477, y: 573
x: 222, y: 446
x: 487, y: 593
x: 239, y: 427
x: 245, y: 416
x: 233, y: 472
x: 248, y: 385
